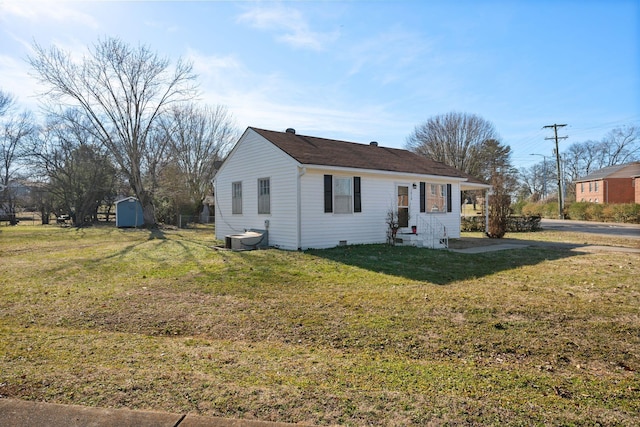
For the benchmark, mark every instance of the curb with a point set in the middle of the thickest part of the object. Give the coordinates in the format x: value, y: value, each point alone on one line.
x: 20, y: 413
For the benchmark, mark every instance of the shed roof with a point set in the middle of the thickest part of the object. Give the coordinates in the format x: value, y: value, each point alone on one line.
x: 626, y: 170
x: 125, y: 199
x: 310, y: 150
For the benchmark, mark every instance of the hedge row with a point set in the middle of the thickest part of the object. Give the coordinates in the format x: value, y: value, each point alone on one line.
x: 515, y: 223
x: 585, y: 211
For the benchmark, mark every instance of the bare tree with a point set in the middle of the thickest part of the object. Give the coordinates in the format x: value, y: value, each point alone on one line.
x: 14, y: 133
x: 79, y: 172
x: 535, y: 180
x: 198, y: 138
x: 122, y: 91
x: 6, y: 102
x: 455, y: 139
x: 621, y: 145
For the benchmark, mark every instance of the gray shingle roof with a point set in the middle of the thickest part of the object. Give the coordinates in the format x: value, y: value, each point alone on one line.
x: 626, y: 170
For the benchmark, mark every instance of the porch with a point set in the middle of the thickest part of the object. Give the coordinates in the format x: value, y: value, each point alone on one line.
x: 428, y: 233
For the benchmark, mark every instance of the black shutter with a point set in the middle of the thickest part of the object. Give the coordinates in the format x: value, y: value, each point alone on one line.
x: 357, y: 199
x: 449, y: 198
x: 328, y: 193
x: 423, y: 197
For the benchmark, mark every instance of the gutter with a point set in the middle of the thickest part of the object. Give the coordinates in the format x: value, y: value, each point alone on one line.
x: 413, y: 175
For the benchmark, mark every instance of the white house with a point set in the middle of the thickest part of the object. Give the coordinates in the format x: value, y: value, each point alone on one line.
x: 311, y: 192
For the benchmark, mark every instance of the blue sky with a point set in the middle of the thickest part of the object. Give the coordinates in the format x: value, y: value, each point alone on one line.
x: 370, y: 70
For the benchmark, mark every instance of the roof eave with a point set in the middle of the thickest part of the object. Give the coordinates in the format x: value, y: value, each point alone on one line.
x: 383, y: 172
x: 466, y: 185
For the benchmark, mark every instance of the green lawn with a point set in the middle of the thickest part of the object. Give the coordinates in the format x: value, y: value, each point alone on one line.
x: 363, y: 335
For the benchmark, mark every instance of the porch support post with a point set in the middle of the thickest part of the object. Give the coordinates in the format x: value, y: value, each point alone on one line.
x: 486, y: 209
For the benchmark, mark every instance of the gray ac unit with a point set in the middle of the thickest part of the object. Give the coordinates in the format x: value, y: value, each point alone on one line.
x: 249, y: 240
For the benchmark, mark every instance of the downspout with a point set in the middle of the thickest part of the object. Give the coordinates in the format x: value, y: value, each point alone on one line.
x: 301, y: 172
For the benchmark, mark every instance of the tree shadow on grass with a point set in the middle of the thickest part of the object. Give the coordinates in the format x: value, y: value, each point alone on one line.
x: 440, y: 266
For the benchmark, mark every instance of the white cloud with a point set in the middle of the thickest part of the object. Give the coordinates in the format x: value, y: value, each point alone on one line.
x: 211, y: 64
x: 270, y: 101
x: 219, y: 76
x: 159, y: 25
x: 43, y: 11
x: 17, y: 81
x: 292, y: 26
x: 392, y: 51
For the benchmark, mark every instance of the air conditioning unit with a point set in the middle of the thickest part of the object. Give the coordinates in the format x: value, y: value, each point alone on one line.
x: 249, y: 240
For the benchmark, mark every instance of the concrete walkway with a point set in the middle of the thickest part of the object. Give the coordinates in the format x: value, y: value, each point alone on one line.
x: 20, y: 413
x: 513, y: 244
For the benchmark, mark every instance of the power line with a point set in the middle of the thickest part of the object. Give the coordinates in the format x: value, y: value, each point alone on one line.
x: 606, y: 126
x: 556, y: 137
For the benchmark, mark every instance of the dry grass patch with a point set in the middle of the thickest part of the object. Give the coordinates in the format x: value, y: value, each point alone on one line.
x: 355, y: 336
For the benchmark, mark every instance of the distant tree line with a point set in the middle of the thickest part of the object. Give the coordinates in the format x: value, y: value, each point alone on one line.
x: 471, y: 144
x: 123, y: 120
x: 619, y: 146
x: 120, y: 121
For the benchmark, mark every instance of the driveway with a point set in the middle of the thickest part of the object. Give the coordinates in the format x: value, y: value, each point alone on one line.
x: 606, y: 228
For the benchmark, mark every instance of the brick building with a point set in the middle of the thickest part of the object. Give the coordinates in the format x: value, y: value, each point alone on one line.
x: 613, y: 184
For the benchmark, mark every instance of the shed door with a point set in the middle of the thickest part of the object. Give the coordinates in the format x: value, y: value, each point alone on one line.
x: 403, y: 205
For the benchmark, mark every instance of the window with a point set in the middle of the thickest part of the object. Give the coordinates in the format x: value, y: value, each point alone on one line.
x: 342, y: 194
x: 595, y: 184
x: 236, y: 197
x: 264, y: 196
x: 582, y: 187
x: 590, y: 187
x: 403, y: 206
x: 342, y: 201
x: 439, y: 199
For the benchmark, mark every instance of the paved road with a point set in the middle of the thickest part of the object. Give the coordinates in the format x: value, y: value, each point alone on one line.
x: 606, y: 228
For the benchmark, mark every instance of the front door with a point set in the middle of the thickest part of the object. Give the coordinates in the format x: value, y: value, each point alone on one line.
x: 403, y: 206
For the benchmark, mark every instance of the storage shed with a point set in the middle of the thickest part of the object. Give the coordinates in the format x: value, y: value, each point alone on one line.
x: 129, y: 213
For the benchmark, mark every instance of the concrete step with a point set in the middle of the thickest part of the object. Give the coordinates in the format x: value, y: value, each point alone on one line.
x: 420, y: 240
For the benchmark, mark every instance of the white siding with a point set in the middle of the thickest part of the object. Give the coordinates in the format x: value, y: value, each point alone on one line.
x: 325, y: 230
x: 251, y: 159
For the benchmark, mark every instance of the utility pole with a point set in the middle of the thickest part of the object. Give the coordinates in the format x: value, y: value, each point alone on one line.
x: 556, y: 137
